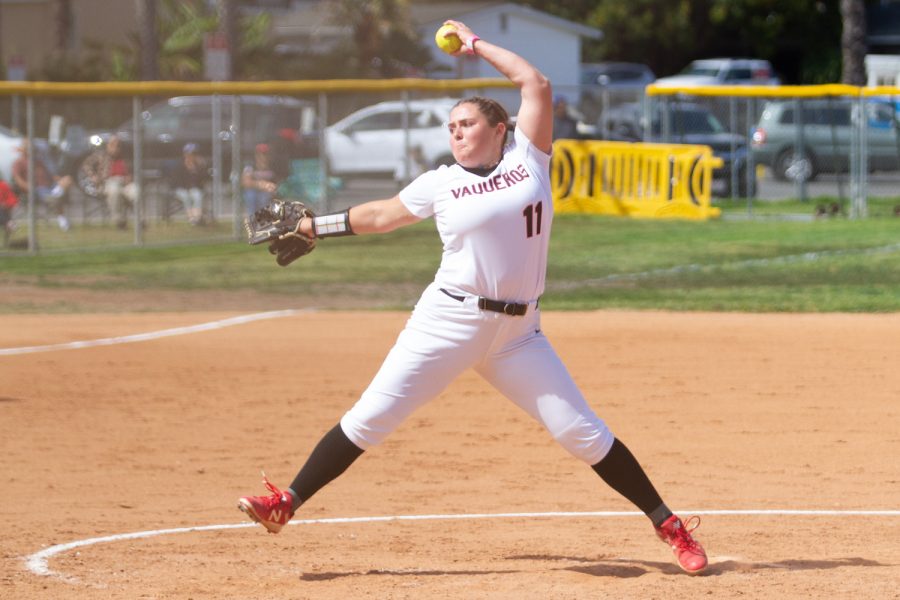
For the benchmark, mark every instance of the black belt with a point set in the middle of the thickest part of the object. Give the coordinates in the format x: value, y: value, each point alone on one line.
x: 507, y: 308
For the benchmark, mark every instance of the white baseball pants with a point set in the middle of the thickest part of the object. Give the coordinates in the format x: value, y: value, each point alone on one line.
x: 443, y: 337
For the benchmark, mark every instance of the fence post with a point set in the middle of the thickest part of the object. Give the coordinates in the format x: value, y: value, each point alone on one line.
x: 138, y: 170
x: 32, y: 197
x: 861, y: 202
x: 732, y: 149
x: 751, y: 166
x: 404, y: 95
x: 323, y: 152
x: 799, y: 152
x: 216, y: 157
x: 237, y: 198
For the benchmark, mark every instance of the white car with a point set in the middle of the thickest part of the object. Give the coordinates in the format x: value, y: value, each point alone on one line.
x: 10, y: 141
x: 372, y: 141
x: 723, y: 71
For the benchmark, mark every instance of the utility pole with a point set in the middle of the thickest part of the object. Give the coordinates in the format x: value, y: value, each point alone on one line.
x: 146, y: 18
x: 228, y: 28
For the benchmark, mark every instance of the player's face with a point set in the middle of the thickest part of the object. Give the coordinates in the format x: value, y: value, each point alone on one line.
x: 473, y: 141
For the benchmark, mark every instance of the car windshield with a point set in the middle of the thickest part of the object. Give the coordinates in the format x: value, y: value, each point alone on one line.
x: 703, y: 70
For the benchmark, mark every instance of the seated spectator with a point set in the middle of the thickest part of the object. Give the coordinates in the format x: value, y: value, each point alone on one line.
x: 286, y: 147
x: 110, y: 174
x: 258, y: 180
x: 189, y: 180
x: 49, y: 189
x: 8, y: 202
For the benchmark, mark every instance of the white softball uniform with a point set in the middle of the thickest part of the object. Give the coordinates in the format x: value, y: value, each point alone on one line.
x: 495, y: 231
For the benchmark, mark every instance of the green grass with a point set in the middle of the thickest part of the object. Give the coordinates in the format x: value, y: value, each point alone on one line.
x: 595, y: 262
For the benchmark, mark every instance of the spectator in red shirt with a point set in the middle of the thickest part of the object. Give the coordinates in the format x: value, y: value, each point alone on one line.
x: 109, y: 173
x: 8, y: 202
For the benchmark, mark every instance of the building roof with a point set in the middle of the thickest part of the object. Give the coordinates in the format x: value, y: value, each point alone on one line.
x: 311, y: 20
x: 432, y: 14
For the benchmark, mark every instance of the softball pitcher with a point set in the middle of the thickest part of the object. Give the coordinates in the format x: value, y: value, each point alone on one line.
x: 494, y: 213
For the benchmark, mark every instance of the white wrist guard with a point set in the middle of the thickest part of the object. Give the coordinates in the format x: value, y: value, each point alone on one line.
x: 332, y: 225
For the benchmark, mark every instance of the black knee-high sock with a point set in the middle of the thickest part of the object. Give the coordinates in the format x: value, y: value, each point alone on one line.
x: 331, y: 457
x: 622, y: 472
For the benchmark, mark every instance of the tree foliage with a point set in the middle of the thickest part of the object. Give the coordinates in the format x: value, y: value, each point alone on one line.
x: 800, y: 37
x: 182, y: 26
x: 384, y: 41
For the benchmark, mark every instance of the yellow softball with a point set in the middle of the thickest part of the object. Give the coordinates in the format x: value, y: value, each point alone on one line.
x: 448, y: 44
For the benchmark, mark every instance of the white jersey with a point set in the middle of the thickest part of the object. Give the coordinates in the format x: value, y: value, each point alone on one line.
x: 495, y: 229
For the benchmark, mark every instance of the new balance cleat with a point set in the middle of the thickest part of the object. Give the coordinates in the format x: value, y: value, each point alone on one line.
x: 273, y: 511
x: 691, y: 556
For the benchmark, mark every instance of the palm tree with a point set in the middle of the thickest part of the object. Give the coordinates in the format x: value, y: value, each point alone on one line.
x: 384, y: 40
x: 149, y: 44
x: 63, y: 22
x: 853, y: 42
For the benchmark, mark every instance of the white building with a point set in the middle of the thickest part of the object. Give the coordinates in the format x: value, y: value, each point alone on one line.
x: 548, y: 42
x: 882, y: 69
x: 552, y: 44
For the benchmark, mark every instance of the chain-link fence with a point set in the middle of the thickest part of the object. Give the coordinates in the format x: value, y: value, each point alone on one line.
x: 166, y: 162
x: 95, y: 165
x: 836, y: 147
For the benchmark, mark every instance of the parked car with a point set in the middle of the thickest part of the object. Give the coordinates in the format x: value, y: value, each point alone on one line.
x: 612, y: 82
x: 372, y: 141
x: 616, y: 75
x: 688, y: 123
x: 827, y: 129
x: 723, y: 71
x: 172, y: 123
x: 10, y: 141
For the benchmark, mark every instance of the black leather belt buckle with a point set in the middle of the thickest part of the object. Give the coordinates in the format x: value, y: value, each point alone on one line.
x: 507, y: 308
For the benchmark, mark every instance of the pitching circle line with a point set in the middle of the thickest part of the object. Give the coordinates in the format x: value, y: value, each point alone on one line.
x: 155, y: 335
x: 37, y: 562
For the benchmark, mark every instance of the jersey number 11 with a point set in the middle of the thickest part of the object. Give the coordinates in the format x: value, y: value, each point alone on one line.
x: 532, y: 214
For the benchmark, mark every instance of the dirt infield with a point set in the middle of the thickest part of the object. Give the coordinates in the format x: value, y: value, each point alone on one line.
x: 727, y: 412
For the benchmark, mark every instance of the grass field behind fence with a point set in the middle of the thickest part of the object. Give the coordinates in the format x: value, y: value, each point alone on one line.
x: 595, y: 262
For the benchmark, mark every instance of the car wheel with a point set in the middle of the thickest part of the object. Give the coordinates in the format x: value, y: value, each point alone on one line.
x: 791, y: 166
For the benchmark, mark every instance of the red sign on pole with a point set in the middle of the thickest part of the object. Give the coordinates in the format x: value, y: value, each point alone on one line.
x: 216, y: 57
x: 15, y: 68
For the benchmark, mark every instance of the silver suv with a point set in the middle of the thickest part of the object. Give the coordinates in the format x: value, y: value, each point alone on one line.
x: 827, y: 128
x: 723, y: 71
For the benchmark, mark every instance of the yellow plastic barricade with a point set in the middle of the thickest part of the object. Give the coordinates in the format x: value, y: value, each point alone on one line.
x: 633, y: 179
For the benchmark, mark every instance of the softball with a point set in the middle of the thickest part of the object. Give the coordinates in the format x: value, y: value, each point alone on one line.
x: 448, y: 44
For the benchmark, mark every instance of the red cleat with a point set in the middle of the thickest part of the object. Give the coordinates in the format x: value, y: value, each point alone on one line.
x: 691, y: 556
x: 272, y: 512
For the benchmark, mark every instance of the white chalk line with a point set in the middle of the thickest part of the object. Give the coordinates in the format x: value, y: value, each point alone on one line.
x: 153, y: 335
x: 37, y: 562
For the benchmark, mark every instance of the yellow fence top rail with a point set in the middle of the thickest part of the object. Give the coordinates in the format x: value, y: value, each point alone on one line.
x: 192, y: 88
x: 767, y: 91
x: 881, y: 90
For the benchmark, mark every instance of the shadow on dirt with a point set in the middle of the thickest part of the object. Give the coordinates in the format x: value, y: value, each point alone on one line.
x: 619, y: 568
